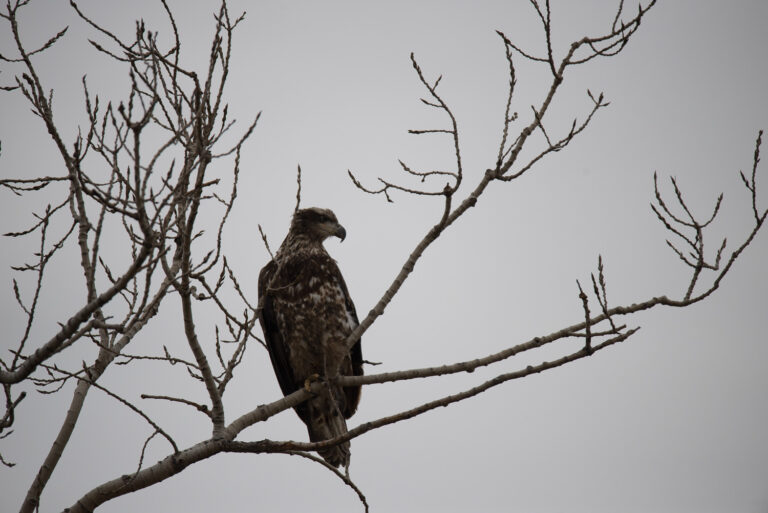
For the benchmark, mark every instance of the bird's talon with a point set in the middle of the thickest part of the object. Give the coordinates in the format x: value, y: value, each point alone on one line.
x: 309, y: 380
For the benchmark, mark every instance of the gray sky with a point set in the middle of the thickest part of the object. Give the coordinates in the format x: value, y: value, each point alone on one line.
x: 674, y: 420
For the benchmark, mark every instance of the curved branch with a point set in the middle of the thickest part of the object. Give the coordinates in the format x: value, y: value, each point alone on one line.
x: 270, y: 446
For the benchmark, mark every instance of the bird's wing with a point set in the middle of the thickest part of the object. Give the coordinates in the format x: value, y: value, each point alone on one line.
x: 278, y: 350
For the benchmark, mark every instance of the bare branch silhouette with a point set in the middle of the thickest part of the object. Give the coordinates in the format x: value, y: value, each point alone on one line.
x: 154, y: 179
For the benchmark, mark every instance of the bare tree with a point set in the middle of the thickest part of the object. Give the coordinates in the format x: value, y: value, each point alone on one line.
x: 154, y: 169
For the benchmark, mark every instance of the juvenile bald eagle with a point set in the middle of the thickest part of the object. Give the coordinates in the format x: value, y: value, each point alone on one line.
x: 306, y: 317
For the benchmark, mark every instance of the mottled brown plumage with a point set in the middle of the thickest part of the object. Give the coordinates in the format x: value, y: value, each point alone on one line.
x: 306, y: 317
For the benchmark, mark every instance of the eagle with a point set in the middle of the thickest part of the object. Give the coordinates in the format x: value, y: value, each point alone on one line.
x: 306, y: 316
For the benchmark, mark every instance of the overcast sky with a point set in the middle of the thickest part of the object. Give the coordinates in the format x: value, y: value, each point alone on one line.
x: 673, y: 420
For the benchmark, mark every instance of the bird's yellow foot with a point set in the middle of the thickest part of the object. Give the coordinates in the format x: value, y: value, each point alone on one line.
x: 309, y: 380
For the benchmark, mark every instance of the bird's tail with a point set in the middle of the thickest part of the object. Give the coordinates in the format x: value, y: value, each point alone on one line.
x: 326, y: 422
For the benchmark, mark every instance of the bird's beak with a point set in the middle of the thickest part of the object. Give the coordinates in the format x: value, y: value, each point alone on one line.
x: 340, y: 232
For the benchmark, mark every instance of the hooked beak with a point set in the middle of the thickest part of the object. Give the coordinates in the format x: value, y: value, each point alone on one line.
x: 340, y: 232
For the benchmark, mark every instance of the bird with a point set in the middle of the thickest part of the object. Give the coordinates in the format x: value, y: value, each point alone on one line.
x: 306, y: 315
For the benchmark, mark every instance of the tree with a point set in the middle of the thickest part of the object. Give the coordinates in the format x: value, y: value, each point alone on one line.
x: 143, y: 201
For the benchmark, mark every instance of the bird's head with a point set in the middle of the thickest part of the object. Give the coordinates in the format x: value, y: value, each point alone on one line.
x: 317, y: 223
